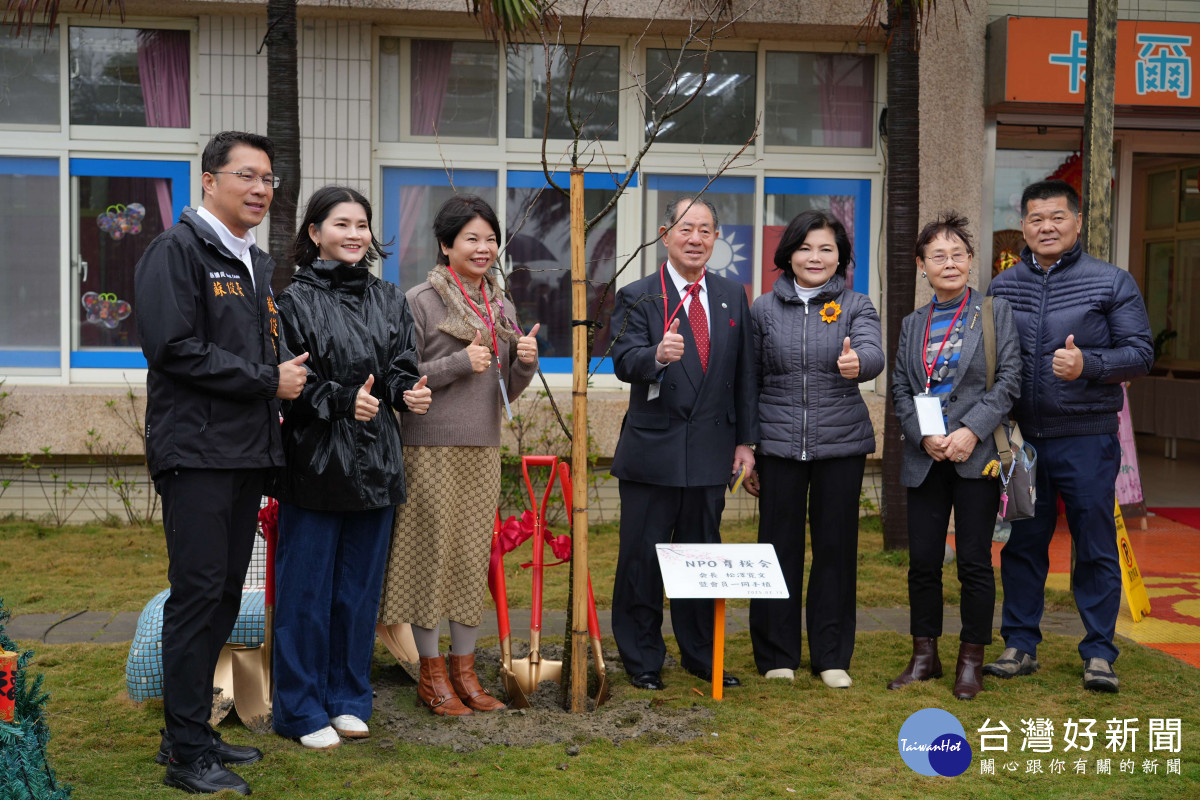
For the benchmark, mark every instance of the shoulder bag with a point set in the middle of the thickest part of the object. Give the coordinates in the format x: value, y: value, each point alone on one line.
x: 1018, y: 459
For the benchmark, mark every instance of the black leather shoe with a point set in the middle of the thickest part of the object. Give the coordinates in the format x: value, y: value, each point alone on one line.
x: 231, y: 755
x: 647, y: 680
x: 205, y: 775
x: 727, y: 680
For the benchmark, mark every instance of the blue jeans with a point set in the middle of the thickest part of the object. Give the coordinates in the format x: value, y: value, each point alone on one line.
x: 328, y: 576
x: 1083, y: 469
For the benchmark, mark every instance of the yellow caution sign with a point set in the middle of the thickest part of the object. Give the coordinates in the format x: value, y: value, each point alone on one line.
x: 1131, y: 576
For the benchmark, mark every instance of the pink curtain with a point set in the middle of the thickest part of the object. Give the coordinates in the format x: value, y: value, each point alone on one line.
x: 164, y: 71
x: 841, y: 206
x: 847, y: 88
x: 414, y: 208
x: 163, y: 68
x: 431, y: 74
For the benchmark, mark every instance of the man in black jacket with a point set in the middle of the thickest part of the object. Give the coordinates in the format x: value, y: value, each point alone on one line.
x: 683, y: 340
x: 1083, y: 329
x: 210, y: 333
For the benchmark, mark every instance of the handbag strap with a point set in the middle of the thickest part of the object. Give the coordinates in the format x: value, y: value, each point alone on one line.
x: 1003, y: 445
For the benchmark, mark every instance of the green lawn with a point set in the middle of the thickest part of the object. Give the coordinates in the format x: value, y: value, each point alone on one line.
x: 100, y: 568
x: 764, y: 740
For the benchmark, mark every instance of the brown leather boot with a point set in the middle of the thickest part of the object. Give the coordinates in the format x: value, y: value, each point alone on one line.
x: 434, y: 690
x: 923, y: 665
x: 466, y: 685
x: 968, y: 673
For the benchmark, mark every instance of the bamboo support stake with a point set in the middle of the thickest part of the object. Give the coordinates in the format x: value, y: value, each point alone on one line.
x: 579, y: 451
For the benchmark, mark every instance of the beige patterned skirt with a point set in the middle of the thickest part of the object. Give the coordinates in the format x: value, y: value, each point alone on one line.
x: 442, y: 539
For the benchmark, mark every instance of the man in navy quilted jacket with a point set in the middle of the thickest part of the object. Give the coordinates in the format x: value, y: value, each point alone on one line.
x: 1083, y: 330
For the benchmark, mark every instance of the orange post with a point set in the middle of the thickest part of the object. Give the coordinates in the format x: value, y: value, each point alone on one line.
x: 718, y: 661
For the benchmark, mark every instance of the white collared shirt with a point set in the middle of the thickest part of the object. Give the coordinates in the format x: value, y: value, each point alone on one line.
x: 805, y: 294
x: 239, y: 247
x: 682, y: 285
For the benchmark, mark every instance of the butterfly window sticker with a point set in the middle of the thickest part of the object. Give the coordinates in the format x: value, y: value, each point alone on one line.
x: 105, y: 309
x: 119, y: 221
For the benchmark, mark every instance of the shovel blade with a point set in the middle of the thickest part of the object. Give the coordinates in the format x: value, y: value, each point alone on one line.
x: 251, y: 688
x: 601, y: 673
x: 398, y: 639
x: 222, y: 701
x: 528, y: 674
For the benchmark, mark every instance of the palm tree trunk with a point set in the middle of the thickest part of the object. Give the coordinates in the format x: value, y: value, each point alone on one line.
x: 283, y: 127
x: 903, y: 200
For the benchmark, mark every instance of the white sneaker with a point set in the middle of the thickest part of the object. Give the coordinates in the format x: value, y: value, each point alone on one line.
x: 782, y: 674
x: 836, y: 678
x: 324, y: 739
x: 350, y: 726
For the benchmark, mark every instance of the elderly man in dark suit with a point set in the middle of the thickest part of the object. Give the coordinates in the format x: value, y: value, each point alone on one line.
x: 683, y: 340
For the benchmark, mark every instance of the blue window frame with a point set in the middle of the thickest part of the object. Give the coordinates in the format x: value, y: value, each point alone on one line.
x: 537, y: 259
x: 30, y: 273
x: 822, y: 193
x: 411, y: 198
x: 179, y: 174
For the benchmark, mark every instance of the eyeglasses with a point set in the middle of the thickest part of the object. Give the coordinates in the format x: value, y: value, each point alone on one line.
x: 941, y: 258
x: 270, y: 181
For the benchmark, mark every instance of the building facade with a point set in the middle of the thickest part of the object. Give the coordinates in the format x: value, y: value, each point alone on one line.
x: 102, y: 122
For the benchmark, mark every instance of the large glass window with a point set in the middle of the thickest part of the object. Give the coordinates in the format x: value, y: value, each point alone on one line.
x: 135, y: 78
x: 594, y: 97
x: 733, y: 252
x: 819, y: 100
x: 411, y: 199
x: 30, y: 283
x: 29, y: 81
x: 1016, y: 169
x: 537, y: 260
x: 847, y: 200
x: 448, y: 89
x: 723, y: 110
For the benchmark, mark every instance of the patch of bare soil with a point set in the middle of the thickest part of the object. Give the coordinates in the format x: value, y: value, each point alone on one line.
x: 628, y: 713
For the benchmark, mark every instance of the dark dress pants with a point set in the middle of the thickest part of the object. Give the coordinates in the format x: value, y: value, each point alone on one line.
x: 975, y: 502
x: 1083, y: 469
x: 210, y: 517
x: 825, y: 491
x: 652, y: 514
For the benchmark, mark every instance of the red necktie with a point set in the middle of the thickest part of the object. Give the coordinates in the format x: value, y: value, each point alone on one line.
x: 699, y: 322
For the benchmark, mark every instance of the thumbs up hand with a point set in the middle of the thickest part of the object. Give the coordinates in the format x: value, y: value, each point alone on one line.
x: 1068, y: 360
x: 292, y: 377
x: 527, y: 346
x: 671, y: 347
x: 481, y: 357
x: 366, y: 406
x: 847, y: 362
x: 419, y: 397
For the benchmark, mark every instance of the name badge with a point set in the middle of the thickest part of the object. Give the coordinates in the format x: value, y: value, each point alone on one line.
x: 929, y: 415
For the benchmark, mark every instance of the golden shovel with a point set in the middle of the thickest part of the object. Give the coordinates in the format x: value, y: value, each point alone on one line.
x: 496, y: 583
x: 528, y: 672
x: 222, y: 702
x: 252, y: 683
x: 398, y: 639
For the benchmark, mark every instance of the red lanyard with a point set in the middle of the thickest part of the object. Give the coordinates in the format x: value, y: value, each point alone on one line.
x: 491, y: 323
x: 692, y: 288
x: 925, y: 343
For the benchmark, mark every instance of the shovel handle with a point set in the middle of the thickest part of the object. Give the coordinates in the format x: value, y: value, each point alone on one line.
x: 539, y: 532
x: 270, y: 534
x: 496, y: 581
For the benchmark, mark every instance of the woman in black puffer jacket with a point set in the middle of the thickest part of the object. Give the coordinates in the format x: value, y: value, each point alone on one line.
x: 815, y: 340
x: 344, y: 473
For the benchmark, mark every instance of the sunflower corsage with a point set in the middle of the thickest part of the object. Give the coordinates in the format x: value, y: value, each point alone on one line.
x: 830, y: 312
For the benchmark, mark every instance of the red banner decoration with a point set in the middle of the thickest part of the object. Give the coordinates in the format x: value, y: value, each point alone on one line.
x: 8, y: 685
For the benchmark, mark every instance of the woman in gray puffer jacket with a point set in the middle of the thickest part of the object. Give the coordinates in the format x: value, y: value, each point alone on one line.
x: 815, y: 340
